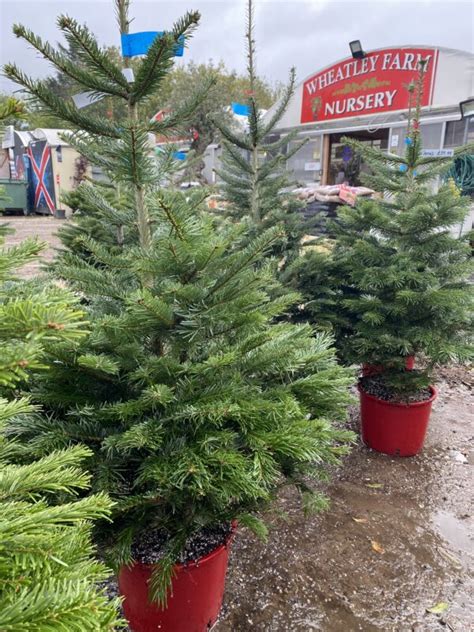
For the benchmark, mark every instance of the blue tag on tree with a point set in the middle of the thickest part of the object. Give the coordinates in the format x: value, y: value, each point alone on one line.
x: 240, y: 108
x: 139, y: 43
x: 403, y: 168
x: 179, y: 155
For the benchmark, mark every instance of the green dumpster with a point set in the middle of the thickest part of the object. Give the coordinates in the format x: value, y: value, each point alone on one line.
x: 13, y: 195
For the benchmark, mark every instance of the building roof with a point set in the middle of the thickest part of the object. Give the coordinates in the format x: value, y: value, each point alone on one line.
x: 51, y: 136
x: 8, y: 139
x: 25, y: 137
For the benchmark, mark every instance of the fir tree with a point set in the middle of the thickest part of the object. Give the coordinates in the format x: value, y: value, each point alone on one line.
x: 253, y: 170
x: 397, y: 281
x: 196, y: 405
x: 47, y: 572
x: 108, y: 219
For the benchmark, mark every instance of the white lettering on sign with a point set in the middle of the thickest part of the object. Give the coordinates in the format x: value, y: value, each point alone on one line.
x: 409, y: 59
x: 374, y: 84
x: 363, y: 102
x: 390, y: 61
x: 373, y: 62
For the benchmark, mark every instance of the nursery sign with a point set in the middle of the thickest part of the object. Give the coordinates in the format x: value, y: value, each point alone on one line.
x: 377, y: 83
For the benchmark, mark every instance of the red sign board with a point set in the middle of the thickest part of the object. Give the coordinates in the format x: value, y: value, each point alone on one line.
x: 359, y: 87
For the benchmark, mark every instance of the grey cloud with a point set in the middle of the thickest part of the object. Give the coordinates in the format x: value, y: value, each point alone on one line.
x: 305, y: 34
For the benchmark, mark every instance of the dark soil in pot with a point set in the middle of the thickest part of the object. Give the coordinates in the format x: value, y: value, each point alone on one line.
x: 377, y: 386
x: 150, y: 548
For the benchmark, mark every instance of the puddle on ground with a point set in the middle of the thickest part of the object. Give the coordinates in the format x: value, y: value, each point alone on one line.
x: 458, y: 532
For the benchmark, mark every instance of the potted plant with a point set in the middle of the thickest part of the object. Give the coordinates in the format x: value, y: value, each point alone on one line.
x: 197, y: 405
x: 403, y: 291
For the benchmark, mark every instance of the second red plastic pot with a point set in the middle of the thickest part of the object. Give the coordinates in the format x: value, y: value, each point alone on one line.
x: 195, y: 602
x: 394, y: 428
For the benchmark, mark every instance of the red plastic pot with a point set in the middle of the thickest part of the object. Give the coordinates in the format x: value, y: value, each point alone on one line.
x: 394, y: 428
x: 373, y: 369
x: 195, y: 602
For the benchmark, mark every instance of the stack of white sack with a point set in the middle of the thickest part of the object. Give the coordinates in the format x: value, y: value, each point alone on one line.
x: 329, y: 193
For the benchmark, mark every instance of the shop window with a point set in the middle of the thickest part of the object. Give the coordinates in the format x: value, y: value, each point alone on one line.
x: 397, y: 140
x: 431, y: 135
x: 345, y: 165
x: 456, y: 131
x: 305, y: 165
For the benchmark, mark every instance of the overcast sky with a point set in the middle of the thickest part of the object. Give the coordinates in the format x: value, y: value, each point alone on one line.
x: 307, y: 34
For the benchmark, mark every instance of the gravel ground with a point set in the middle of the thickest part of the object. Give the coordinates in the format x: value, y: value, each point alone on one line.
x: 396, y: 541
x: 43, y: 227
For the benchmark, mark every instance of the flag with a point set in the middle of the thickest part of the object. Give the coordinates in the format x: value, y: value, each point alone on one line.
x: 240, y: 109
x: 138, y: 43
x: 42, y: 175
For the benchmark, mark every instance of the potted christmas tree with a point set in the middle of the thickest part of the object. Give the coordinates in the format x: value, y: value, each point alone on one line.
x: 398, y: 288
x: 198, y: 406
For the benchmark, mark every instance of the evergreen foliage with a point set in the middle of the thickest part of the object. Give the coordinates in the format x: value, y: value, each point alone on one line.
x: 227, y: 87
x: 11, y: 108
x: 397, y: 281
x: 108, y: 218
x: 253, y: 169
x: 196, y: 405
x: 47, y: 572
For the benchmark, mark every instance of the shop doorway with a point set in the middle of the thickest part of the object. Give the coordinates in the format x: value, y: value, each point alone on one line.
x: 343, y: 165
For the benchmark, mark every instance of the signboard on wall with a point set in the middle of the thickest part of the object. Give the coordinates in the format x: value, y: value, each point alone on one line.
x: 358, y: 87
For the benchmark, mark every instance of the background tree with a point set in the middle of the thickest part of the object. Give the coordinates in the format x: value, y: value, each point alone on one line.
x: 253, y: 170
x: 11, y: 109
x: 227, y: 87
x: 197, y: 406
